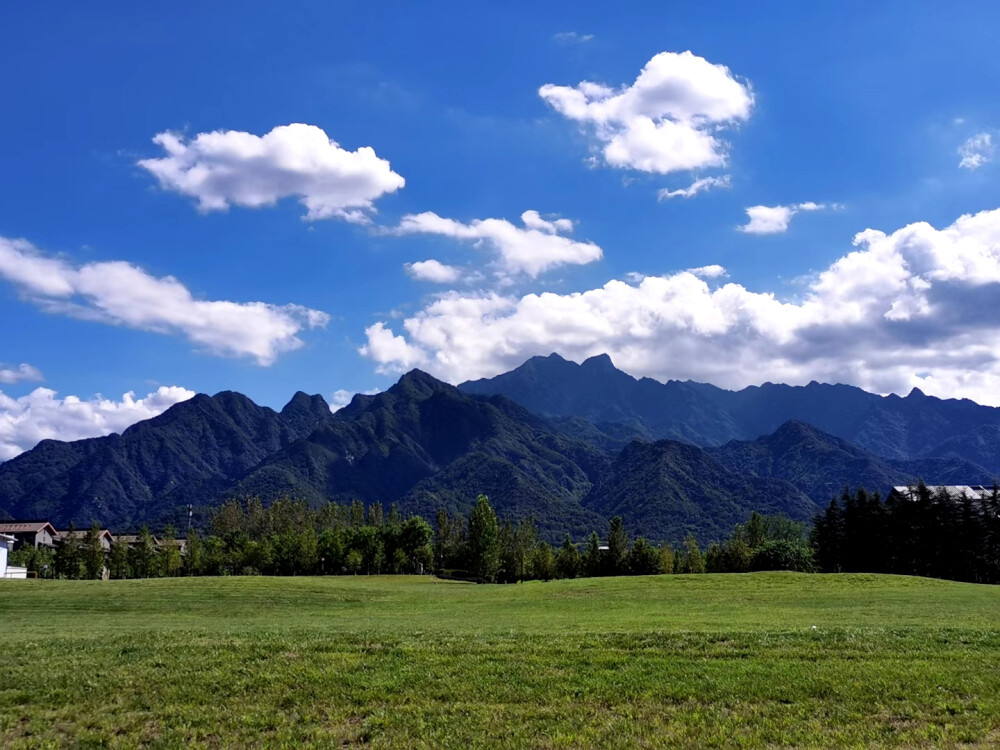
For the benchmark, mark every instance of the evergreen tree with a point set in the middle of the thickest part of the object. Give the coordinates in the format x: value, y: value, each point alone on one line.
x: 617, y: 555
x: 170, y: 562
x: 375, y: 517
x: 193, y: 554
x: 568, y: 562
x: 543, y: 562
x: 356, y: 515
x: 142, y: 556
x: 643, y: 558
x: 592, y: 558
x: 67, y: 557
x: 692, y: 560
x: 93, y: 553
x: 484, y: 541
x: 118, y: 560
x: 666, y: 559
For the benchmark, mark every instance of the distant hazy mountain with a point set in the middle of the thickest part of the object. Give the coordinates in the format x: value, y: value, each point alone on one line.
x: 820, y: 465
x: 911, y: 428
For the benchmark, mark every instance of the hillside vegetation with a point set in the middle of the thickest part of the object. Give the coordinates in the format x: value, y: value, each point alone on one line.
x: 691, y: 661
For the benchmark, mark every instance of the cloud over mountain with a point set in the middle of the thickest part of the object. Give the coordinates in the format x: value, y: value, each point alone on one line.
x: 120, y: 293
x: 41, y: 415
x: 668, y: 120
x: 915, y: 307
x: 233, y: 168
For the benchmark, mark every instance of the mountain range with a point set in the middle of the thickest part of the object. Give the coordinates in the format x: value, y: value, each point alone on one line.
x: 570, y: 444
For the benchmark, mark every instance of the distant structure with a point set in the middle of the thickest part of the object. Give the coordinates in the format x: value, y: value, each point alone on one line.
x: 7, y: 543
x: 31, y: 533
x: 954, y: 491
x: 106, y: 537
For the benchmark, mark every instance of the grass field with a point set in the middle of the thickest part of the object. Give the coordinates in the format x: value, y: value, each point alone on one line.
x: 699, y: 661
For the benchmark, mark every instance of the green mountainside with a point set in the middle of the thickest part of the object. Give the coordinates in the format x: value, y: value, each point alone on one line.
x: 425, y: 445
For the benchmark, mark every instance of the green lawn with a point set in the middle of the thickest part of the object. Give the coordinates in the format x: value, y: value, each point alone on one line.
x: 698, y: 661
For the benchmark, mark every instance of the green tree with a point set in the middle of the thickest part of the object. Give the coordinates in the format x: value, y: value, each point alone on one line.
x: 170, y: 554
x: 68, y: 557
x: 484, y: 541
x: 415, y: 541
x: 331, y: 551
x: 643, y: 558
x: 193, y: 554
x: 118, y: 560
x: 568, y: 560
x: 616, y: 560
x: 592, y: 562
x: 92, y: 553
x: 691, y: 560
x: 375, y: 515
x: 142, y: 556
x: 666, y: 559
x: 353, y: 562
x: 543, y: 563
x: 783, y: 555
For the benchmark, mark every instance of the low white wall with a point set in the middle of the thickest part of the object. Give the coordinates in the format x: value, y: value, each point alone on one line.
x: 3, y: 559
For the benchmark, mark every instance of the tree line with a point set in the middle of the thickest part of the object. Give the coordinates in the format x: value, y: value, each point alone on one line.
x: 290, y: 538
x: 932, y: 533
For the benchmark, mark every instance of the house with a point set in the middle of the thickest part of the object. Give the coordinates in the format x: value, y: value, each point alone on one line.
x: 7, y: 542
x: 955, y: 491
x: 34, y: 533
x: 131, y: 540
x: 104, y: 535
x: 181, y: 544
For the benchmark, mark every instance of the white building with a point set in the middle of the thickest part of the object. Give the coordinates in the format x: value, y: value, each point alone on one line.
x: 6, y: 547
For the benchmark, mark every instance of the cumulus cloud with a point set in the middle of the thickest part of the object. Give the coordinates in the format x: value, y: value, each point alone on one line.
x: 774, y: 219
x: 231, y: 168
x: 433, y: 270
x: 668, y: 120
x: 915, y: 307
x: 536, y: 247
x: 708, y: 272
x: 572, y: 37
x: 977, y: 151
x: 698, y: 186
x: 42, y: 415
x: 9, y: 374
x: 120, y: 293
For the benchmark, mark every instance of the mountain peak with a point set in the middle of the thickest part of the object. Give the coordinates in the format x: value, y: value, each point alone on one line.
x: 916, y: 393
x: 599, y: 362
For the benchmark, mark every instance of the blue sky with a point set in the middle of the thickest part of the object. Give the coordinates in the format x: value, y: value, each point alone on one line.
x: 860, y: 108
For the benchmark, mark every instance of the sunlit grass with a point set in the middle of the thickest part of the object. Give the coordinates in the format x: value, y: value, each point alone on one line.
x: 699, y: 661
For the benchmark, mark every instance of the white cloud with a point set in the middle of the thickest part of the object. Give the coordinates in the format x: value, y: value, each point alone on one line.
x: 572, y: 37
x: 977, y: 151
x: 433, y: 270
x: 341, y: 398
x: 698, y: 186
x: 531, y: 250
x: 232, y: 168
x: 42, y: 415
x: 708, y: 272
x: 120, y: 293
x: 10, y: 374
x: 667, y: 121
x: 912, y: 308
x: 775, y: 219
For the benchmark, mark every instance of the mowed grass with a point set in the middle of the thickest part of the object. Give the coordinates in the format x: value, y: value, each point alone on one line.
x: 699, y: 661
